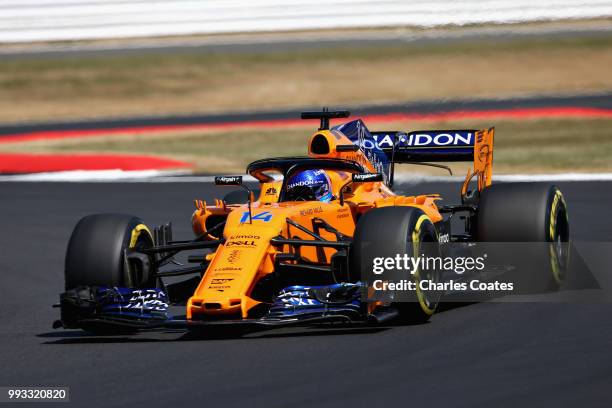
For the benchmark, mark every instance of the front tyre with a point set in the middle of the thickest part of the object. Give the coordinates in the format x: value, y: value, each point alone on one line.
x: 387, y: 232
x: 95, y: 254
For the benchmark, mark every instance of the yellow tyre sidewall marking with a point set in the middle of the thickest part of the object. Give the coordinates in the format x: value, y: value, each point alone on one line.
x: 415, y: 246
x: 552, y: 229
x: 136, y: 232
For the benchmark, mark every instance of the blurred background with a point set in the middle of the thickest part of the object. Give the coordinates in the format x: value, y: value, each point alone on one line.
x: 207, y: 86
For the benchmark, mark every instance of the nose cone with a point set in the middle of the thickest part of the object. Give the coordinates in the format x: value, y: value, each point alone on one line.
x: 237, y: 265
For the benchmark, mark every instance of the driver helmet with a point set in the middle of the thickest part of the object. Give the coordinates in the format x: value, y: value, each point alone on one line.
x: 310, y: 185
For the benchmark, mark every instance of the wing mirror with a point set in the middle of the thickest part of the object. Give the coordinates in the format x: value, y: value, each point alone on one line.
x: 360, y: 178
x: 236, y: 181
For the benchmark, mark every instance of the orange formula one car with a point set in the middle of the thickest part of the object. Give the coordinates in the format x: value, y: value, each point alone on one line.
x: 300, y: 248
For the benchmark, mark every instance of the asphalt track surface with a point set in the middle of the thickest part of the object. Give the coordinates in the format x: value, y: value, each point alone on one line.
x: 487, y: 354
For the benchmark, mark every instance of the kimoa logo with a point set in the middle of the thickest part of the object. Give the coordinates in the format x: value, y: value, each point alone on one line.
x: 449, y: 138
x: 245, y: 236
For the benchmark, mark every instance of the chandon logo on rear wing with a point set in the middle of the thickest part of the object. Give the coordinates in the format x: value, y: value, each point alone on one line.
x: 384, y: 149
x: 428, y: 145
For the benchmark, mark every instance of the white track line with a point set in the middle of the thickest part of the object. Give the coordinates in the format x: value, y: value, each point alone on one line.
x: 78, y: 176
x: 156, y: 176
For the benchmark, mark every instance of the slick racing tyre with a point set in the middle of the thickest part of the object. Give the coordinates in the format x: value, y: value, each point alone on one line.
x: 95, y: 255
x: 387, y: 232
x: 528, y: 213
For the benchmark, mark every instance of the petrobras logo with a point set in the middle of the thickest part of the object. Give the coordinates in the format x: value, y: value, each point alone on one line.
x: 228, y: 180
x: 365, y: 177
x: 445, y: 138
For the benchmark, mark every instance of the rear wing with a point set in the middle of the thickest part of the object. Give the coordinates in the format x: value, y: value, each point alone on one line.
x: 381, y: 150
x: 442, y: 146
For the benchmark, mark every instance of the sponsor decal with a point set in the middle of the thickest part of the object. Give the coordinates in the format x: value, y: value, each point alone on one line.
x: 220, y: 284
x: 271, y: 191
x: 343, y: 213
x: 298, y: 300
x: 483, y: 153
x: 219, y: 281
x: 385, y: 141
x: 240, y: 243
x: 228, y: 180
x: 245, y: 236
x: 147, y: 299
x: 227, y: 269
x: 424, y: 139
x: 308, y: 183
x: 234, y: 256
x: 311, y: 211
x: 365, y: 177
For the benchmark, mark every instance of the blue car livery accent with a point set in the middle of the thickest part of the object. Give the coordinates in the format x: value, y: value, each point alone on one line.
x: 316, y: 180
x: 357, y: 132
x: 298, y: 301
x: 144, y: 304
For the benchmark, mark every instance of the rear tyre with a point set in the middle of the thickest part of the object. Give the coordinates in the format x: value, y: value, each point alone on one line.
x: 386, y: 232
x: 529, y: 212
x: 95, y: 255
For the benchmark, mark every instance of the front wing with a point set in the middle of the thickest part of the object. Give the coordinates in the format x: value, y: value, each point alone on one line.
x: 123, y: 310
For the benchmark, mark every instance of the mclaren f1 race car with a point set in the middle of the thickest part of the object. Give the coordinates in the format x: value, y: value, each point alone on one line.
x: 300, y: 248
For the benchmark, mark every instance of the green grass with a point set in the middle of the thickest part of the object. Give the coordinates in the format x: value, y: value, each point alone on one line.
x: 520, y: 146
x: 191, y: 81
x: 561, y: 145
x: 123, y: 74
